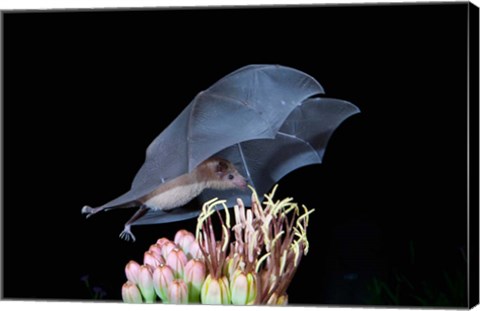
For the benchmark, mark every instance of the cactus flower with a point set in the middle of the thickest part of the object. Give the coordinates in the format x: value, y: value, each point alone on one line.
x: 163, y: 275
x: 177, y: 261
x: 177, y: 292
x: 253, y: 262
x: 130, y: 293
x: 215, y: 291
x: 132, y: 270
x: 243, y: 288
x: 145, y: 283
x: 194, y: 276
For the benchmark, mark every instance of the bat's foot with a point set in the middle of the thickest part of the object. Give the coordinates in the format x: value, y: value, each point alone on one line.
x: 127, y: 234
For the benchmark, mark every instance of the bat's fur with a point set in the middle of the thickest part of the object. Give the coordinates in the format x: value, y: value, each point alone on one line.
x: 213, y: 173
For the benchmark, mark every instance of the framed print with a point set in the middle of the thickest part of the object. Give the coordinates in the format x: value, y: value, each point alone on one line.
x: 338, y: 143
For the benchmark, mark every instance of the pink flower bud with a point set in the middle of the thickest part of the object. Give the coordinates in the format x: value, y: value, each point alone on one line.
x: 183, y: 239
x: 130, y: 293
x: 163, y: 275
x: 194, y: 275
x: 151, y: 259
x: 167, y: 248
x: 162, y: 241
x: 131, y: 271
x: 215, y: 291
x: 156, y: 249
x: 244, y: 288
x: 194, y: 250
x: 145, y: 283
x: 177, y: 261
x: 178, y: 292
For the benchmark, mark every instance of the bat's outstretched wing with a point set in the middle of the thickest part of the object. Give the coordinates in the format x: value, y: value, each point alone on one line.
x: 250, y: 103
x: 300, y: 141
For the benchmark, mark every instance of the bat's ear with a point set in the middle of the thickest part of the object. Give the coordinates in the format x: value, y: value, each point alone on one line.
x: 221, y: 167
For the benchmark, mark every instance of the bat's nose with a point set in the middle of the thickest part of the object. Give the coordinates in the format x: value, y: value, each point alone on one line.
x: 242, y: 183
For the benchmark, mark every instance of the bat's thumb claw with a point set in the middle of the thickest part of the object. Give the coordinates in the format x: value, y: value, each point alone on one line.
x: 87, y: 210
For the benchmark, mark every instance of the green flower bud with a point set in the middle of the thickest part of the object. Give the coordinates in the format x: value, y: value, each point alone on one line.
x: 243, y: 288
x: 178, y: 292
x: 163, y: 275
x: 130, y: 293
x: 145, y: 283
x: 194, y: 276
x: 215, y: 291
x: 177, y: 261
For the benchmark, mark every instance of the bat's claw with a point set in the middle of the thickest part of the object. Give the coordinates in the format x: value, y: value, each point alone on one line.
x: 88, y: 210
x: 127, y: 234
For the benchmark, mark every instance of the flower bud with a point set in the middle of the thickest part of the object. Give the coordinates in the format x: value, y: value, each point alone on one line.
x: 183, y: 239
x: 233, y: 264
x: 215, y: 291
x: 167, y: 248
x: 194, y: 250
x: 157, y: 250
x: 177, y: 261
x: 131, y: 271
x: 145, y: 283
x: 194, y: 275
x: 162, y: 241
x: 130, y: 293
x: 178, y: 292
x: 162, y: 276
x: 243, y: 288
x: 151, y: 259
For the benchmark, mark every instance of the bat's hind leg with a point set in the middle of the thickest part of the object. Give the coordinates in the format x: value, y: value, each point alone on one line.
x: 127, y: 234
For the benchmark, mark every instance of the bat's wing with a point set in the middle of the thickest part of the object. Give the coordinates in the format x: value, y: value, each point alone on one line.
x: 300, y: 141
x: 251, y: 103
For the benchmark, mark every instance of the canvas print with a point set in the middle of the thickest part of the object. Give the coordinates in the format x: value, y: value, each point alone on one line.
x: 313, y: 155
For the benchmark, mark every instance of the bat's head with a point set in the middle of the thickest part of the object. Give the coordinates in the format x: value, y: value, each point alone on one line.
x: 225, y: 175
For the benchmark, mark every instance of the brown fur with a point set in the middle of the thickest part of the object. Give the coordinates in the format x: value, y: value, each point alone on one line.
x: 209, y: 174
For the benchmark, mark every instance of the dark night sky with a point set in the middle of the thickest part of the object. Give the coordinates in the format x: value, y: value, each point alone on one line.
x: 86, y: 92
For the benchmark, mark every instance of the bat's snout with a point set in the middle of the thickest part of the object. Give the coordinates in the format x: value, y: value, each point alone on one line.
x: 241, y: 183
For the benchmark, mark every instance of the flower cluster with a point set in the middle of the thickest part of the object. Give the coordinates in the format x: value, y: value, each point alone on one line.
x: 252, y: 262
x: 173, y: 271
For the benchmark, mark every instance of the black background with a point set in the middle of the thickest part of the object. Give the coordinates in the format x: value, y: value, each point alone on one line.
x: 86, y: 92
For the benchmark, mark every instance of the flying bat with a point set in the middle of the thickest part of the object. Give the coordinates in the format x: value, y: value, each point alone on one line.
x: 254, y: 125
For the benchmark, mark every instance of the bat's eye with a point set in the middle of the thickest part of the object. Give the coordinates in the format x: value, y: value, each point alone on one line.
x: 230, y: 176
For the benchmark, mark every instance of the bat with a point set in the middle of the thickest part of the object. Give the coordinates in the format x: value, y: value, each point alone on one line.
x: 260, y: 121
x: 213, y: 173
